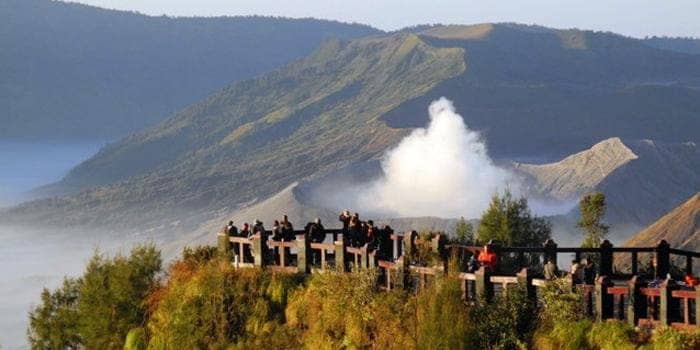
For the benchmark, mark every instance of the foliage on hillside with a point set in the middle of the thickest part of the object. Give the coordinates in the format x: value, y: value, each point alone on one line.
x: 204, y: 303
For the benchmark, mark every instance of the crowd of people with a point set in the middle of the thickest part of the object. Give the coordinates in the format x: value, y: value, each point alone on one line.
x: 358, y: 233
x: 355, y: 233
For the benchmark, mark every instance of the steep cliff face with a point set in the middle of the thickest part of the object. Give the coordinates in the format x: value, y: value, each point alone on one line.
x: 642, y: 179
x: 680, y: 228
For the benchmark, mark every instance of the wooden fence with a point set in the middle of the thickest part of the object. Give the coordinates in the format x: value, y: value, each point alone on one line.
x: 640, y: 299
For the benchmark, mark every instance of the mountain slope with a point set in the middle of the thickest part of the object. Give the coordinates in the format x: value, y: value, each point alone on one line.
x: 580, y: 172
x: 70, y: 70
x: 535, y: 91
x: 531, y: 92
x: 255, y: 138
x: 642, y: 180
x: 680, y: 228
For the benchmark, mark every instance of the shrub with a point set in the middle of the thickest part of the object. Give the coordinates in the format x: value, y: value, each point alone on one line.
x: 507, y: 322
x: 441, y: 317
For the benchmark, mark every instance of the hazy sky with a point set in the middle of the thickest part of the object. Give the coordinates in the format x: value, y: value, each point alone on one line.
x: 631, y: 17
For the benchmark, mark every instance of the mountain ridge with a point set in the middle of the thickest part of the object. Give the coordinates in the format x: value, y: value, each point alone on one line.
x: 349, y: 101
x: 77, y: 71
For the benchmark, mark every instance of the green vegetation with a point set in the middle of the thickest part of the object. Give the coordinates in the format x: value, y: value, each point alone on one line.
x: 204, y: 303
x: 98, y: 309
x: 592, y: 207
x: 464, y: 232
x: 509, y: 221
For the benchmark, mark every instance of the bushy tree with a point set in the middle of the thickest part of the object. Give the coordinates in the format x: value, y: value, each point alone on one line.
x: 53, y: 324
x: 210, y: 304
x: 509, y: 220
x: 464, y: 231
x: 112, y: 295
x: 97, y: 310
x: 592, y: 207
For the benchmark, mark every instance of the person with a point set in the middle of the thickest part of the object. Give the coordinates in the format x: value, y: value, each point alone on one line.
x: 278, y: 237
x: 384, y: 243
x: 245, y: 230
x: 276, y: 231
x: 550, y: 270
x: 588, y: 271
x: 317, y: 234
x: 354, y: 230
x: 287, y: 229
x: 258, y: 228
x: 488, y: 259
x: 472, y: 264
x: 245, y: 233
x: 370, y: 235
x: 345, y: 217
x: 576, y: 271
x: 316, y: 231
x: 231, y: 229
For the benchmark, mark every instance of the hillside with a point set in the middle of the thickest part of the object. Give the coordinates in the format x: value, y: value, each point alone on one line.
x: 685, y: 45
x: 347, y: 102
x: 642, y: 180
x: 580, y: 172
x: 255, y: 138
x: 75, y: 71
x: 680, y: 228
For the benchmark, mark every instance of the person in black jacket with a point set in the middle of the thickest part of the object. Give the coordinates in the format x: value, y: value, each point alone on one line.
x: 384, y: 244
x: 317, y: 234
x: 231, y: 229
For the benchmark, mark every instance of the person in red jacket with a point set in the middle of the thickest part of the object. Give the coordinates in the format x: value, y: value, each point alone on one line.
x: 488, y: 258
x: 690, y: 280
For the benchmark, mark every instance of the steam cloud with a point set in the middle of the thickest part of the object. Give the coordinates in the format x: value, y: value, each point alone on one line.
x: 442, y: 170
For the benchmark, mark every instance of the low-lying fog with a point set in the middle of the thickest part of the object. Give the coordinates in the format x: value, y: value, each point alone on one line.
x: 31, y: 260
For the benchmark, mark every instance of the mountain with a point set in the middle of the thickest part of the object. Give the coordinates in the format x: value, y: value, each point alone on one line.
x: 680, y: 228
x: 532, y: 92
x: 76, y: 71
x: 642, y: 179
x: 685, y: 45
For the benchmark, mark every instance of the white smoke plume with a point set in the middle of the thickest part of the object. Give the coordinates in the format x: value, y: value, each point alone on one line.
x: 442, y: 170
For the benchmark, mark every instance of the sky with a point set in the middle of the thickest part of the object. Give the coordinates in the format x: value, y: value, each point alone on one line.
x: 637, y: 18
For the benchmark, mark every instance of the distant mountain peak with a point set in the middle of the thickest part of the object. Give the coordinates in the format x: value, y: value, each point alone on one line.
x: 582, y: 171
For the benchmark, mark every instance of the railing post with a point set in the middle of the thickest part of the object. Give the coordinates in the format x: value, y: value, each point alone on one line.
x: 635, y: 263
x: 224, y: 245
x: 410, y: 243
x: 525, y: 280
x: 636, y: 302
x: 603, y: 300
x: 663, y: 262
x: 400, y: 278
x: 364, y: 257
x: 303, y: 254
x: 438, y: 244
x: 372, y: 259
x: 259, y: 250
x: 697, y: 306
x: 484, y: 287
x: 340, y: 257
x: 668, y: 306
x: 689, y: 264
x: 606, y: 258
x: 550, y: 251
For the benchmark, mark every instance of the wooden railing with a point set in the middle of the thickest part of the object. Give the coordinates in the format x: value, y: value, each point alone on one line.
x: 614, y: 295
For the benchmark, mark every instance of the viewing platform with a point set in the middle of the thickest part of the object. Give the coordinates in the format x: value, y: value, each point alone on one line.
x: 641, y: 298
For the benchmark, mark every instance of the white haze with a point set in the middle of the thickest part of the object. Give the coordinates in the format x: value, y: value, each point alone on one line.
x: 442, y: 170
